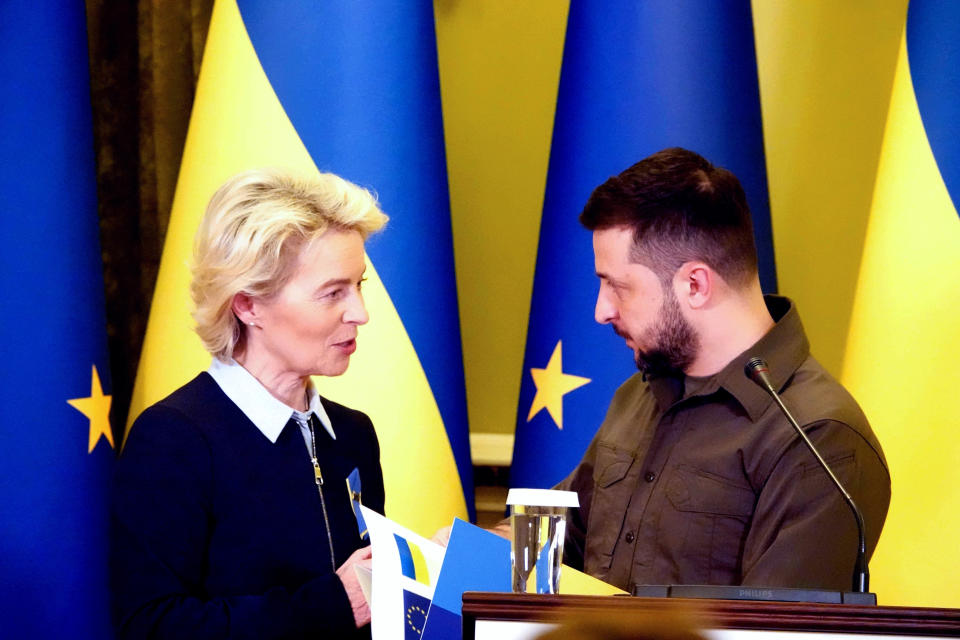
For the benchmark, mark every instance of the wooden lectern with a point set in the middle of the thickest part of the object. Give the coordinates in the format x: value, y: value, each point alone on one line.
x: 509, y: 616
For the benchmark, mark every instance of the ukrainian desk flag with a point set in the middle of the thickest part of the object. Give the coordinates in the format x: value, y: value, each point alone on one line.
x: 637, y: 77
x: 412, y: 563
x: 350, y: 88
x: 56, y: 448
x: 903, y: 346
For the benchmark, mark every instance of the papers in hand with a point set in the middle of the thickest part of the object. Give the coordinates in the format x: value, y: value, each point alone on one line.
x: 365, y: 578
x: 405, y: 571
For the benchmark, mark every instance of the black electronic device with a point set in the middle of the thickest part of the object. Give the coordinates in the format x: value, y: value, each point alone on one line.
x: 733, y: 592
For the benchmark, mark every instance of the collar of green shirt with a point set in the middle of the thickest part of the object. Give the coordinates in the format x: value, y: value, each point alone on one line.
x: 784, y: 347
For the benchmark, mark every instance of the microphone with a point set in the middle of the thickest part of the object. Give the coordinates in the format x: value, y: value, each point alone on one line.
x: 757, y: 370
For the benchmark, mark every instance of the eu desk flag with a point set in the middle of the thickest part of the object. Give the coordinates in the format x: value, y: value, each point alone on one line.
x: 56, y: 447
x: 353, y: 89
x: 903, y: 344
x: 637, y: 77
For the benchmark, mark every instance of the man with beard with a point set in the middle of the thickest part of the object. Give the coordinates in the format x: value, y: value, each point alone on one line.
x: 695, y: 476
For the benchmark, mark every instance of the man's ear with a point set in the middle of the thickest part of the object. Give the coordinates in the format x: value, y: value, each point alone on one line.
x: 695, y: 284
x: 244, y: 307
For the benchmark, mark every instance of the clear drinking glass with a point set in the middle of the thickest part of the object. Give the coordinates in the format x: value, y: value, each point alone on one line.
x: 538, y: 525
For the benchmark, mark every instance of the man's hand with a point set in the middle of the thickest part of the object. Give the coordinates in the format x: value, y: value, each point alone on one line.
x: 502, y: 529
x: 442, y: 536
x: 348, y: 576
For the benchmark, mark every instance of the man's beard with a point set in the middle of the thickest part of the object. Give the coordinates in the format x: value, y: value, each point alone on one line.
x: 675, y: 342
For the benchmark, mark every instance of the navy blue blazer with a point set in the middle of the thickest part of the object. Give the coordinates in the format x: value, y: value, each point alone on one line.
x: 219, y: 533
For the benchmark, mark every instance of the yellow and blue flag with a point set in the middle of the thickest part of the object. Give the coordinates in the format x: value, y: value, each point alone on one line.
x: 56, y: 447
x: 412, y: 563
x: 637, y: 77
x: 903, y: 343
x: 404, y: 572
x: 353, y: 89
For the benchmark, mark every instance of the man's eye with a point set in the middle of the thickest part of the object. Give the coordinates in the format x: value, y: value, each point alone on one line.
x: 618, y: 290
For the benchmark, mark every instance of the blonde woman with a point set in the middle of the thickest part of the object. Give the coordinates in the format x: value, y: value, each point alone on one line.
x: 232, y: 516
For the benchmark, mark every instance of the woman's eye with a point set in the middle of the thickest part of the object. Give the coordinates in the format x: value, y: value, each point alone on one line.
x: 360, y: 283
x: 336, y: 294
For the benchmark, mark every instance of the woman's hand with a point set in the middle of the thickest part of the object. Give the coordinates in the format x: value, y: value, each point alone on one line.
x: 348, y: 576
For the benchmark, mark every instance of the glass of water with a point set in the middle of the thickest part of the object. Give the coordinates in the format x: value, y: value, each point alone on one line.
x: 538, y: 525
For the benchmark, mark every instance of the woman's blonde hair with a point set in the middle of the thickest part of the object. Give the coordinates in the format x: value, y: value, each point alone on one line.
x: 251, y: 236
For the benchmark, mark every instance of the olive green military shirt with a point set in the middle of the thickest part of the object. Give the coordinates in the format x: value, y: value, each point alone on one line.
x: 703, y: 480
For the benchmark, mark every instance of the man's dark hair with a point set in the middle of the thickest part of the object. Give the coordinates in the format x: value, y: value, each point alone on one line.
x: 681, y: 208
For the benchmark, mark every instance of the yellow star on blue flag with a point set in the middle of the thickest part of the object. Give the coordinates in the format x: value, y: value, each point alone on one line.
x: 664, y: 106
x: 97, y: 408
x: 55, y: 511
x: 552, y: 384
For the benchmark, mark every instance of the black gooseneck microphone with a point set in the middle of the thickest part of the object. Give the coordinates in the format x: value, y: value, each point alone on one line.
x: 758, y: 371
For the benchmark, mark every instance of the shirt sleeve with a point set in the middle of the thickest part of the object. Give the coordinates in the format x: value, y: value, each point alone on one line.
x: 161, y: 524
x: 580, y: 480
x: 803, y: 532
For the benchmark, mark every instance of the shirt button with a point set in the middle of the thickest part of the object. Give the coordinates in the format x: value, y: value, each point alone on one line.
x: 630, y: 537
x: 649, y: 476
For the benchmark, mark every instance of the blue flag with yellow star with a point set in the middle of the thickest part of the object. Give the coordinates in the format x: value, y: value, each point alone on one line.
x: 55, y: 443
x: 637, y: 77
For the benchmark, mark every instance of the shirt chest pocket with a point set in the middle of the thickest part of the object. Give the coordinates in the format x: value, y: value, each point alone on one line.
x: 710, y: 513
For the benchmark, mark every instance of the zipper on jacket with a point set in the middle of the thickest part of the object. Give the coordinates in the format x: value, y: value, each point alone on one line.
x: 318, y: 478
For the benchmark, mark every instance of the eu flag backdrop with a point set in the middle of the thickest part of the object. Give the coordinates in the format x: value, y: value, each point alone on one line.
x: 903, y: 344
x: 353, y: 89
x: 637, y: 77
x: 55, y: 441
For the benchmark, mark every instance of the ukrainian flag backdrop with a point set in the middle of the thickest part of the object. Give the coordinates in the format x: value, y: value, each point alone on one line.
x: 903, y: 345
x: 56, y: 447
x: 637, y: 77
x: 351, y: 89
